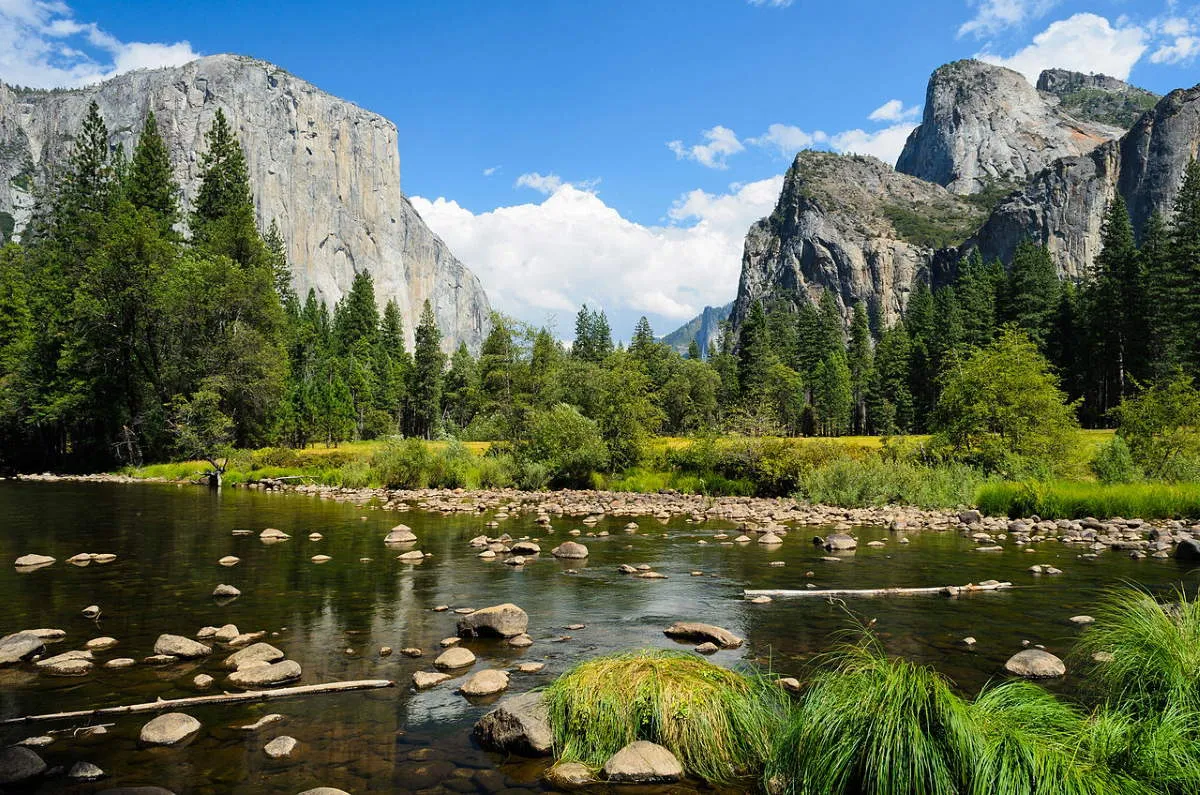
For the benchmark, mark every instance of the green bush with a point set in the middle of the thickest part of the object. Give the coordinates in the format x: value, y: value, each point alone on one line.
x: 566, y: 443
x: 1114, y: 463
x: 876, y: 481
x: 403, y: 464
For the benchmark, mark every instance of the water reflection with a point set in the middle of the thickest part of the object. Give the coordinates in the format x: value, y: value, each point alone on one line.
x: 333, y: 618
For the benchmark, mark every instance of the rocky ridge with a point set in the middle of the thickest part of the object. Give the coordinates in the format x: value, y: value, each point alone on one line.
x: 325, y: 169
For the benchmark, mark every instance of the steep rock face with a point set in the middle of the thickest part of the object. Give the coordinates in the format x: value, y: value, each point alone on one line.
x: 854, y: 226
x: 704, y: 328
x: 1063, y: 206
x: 1097, y: 98
x: 325, y: 169
x: 985, y: 124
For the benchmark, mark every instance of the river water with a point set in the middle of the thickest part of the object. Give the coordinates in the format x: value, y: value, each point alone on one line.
x: 333, y: 618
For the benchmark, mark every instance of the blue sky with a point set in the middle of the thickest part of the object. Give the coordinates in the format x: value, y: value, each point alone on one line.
x: 611, y: 152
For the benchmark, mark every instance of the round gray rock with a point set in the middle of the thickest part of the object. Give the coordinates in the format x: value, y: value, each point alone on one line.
x: 643, y: 762
x: 169, y: 729
x: 570, y: 550
x: 19, y: 764
x: 256, y: 652
x: 487, y: 682
x: 266, y: 675
x: 697, y: 631
x: 454, y: 657
x: 85, y: 771
x: 1035, y: 664
x: 505, y: 621
x: 179, y: 646
x: 281, y: 747
x: 840, y: 541
x: 20, y: 646
x: 518, y: 724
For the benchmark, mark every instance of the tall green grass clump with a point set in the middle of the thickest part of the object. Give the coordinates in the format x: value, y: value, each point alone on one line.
x: 877, y: 481
x: 870, y: 725
x: 720, y: 724
x: 1155, y: 650
x: 1079, y: 499
x: 1161, y: 750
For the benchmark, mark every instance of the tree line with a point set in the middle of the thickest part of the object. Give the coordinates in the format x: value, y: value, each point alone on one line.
x: 129, y: 332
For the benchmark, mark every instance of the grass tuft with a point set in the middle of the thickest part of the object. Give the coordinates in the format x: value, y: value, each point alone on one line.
x: 1079, y: 499
x: 720, y: 724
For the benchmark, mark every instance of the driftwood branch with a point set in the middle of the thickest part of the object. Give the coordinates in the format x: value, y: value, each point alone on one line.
x: 944, y: 590
x: 221, y: 698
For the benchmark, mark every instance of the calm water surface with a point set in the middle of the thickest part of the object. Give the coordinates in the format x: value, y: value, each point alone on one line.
x: 168, y: 540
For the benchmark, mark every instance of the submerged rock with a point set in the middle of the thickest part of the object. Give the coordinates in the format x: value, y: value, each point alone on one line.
x: 518, y: 724
x: 1035, y: 664
x: 281, y: 747
x: 224, y: 591
x: 265, y: 720
x: 85, y: 771
x: 643, y: 762
x: 569, y: 775
x: 27, y: 561
x: 169, y: 729
x: 506, y: 621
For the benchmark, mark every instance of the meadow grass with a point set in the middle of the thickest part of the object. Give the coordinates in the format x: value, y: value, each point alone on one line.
x: 720, y: 724
x: 1061, y: 499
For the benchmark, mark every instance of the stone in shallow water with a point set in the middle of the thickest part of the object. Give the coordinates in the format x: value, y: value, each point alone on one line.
x: 521, y: 642
x: 570, y: 550
x: 120, y: 662
x: 266, y: 675
x: 569, y: 775
x: 324, y: 791
x: 179, y: 646
x: 265, y: 720
x: 530, y: 667
x: 643, y: 762
x: 506, y: 621
x: 696, y: 630
x: 259, y: 652
x: 26, y: 561
x: 454, y: 657
x: 487, y: 682
x: 202, y: 681
x: 281, y: 747
x: 169, y: 729
x: 100, y: 644
x: 1035, y: 664
x: 229, y: 560
x: 423, y: 680
x: 224, y: 591
x: 85, y: 771
x: 518, y: 724
x: 19, y: 764
x: 20, y: 646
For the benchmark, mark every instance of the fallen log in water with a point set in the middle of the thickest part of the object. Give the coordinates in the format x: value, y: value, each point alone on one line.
x: 220, y: 698
x: 944, y: 590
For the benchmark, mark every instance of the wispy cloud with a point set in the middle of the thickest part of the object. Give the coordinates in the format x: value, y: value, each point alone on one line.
x: 43, y: 45
x: 894, y: 110
x: 721, y: 142
x: 771, y: 3
x: 787, y: 139
x: 489, y: 171
x: 994, y: 16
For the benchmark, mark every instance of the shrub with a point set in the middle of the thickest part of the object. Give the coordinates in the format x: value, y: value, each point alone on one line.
x: 1162, y: 427
x: 403, y: 464
x: 567, y: 443
x: 876, y: 481
x: 355, y: 475
x: 720, y: 724
x: 1114, y: 463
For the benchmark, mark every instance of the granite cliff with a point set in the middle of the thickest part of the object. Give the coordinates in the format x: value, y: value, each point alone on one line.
x: 704, y: 328
x: 325, y: 169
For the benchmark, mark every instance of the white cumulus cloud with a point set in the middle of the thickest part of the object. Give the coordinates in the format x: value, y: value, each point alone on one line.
x: 1083, y: 42
x: 542, y: 183
x: 1181, y: 44
x: 570, y: 248
x: 885, y: 144
x: 894, y: 110
x: 993, y: 16
x: 721, y: 142
x: 787, y: 139
x: 43, y: 45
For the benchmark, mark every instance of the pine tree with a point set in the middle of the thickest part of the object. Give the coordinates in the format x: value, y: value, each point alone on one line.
x: 811, y: 340
x: 461, y: 388
x: 428, y: 364
x: 356, y: 316
x: 602, y: 335
x: 151, y: 184
x: 222, y: 219
x: 545, y: 369
x: 755, y: 356
x: 281, y: 271
x: 694, y: 350
x: 833, y: 398
x: 859, y: 358
x: 1158, y: 292
x: 1031, y: 294
x: 889, y: 400
x: 1117, y: 324
x: 643, y: 343
x: 976, y: 288
x: 921, y: 369
x: 1183, y: 273
x: 90, y: 180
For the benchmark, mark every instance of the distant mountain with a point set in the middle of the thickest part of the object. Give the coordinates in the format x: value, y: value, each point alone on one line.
x: 704, y: 328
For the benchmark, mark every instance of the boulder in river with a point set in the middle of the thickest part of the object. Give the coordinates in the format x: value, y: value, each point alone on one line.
x: 505, y: 621
x: 400, y: 534
x: 487, y: 682
x: 273, y: 534
x: 85, y: 771
x: 179, y: 646
x: 18, y: 764
x: 643, y: 762
x: 100, y: 644
x: 840, y: 541
x: 230, y: 560
x: 20, y: 646
x: 169, y: 729
x: 224, y: 591
x: 569, y: 776
x: 1188, y: 549
x: 423, y: 680
x: 695, y: 630
x: 570, y: 550
x: 1035, y: 664
x: 454, y: 657
x: 29, y: 561
x: 281, y: 747
x: 518, y: 724
x: 91, y: 612
x: 265, y: 675
x: 71, y: 663
x: 255, y: 653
